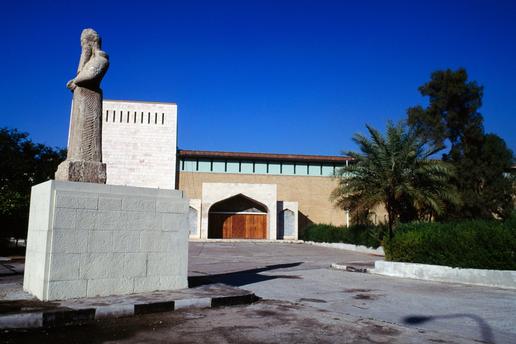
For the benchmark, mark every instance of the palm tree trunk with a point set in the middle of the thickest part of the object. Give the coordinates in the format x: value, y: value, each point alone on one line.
x: 390, y: 222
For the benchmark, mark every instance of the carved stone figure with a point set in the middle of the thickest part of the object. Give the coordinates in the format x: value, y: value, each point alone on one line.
x: 84, y: 160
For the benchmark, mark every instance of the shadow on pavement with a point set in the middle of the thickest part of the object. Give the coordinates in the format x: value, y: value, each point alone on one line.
x: 244, y: 277
x: 485, y: 330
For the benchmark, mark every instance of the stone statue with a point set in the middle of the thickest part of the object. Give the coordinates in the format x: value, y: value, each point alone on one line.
x: 84, y: 160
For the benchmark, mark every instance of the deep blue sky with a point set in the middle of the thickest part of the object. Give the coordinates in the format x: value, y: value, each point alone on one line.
x: 260, y: 76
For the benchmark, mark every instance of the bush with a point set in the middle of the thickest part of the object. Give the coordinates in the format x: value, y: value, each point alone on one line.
x: 369, y: 236
x: 466, y: 244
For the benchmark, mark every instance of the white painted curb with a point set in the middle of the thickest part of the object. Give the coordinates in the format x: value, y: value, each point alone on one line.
x: 489, y: 278
x: 357, y: 248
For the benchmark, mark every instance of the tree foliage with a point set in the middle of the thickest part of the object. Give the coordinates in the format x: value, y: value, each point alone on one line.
x: 395, y: 171
x: 22, y: 165
x: 480, y: 159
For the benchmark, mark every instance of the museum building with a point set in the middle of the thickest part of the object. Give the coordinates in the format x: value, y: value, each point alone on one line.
x: 232, y: 195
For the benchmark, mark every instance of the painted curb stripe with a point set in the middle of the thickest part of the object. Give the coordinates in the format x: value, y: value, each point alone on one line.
x: 232, y: 300
x: 155, y: 307
x: 24, y: 320
x: 64, y: 317
x: 68, y: 316
x: 193, y: 303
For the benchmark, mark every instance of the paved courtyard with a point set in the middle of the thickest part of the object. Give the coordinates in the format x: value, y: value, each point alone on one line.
x: 300, y: 273
x: 304, y: 301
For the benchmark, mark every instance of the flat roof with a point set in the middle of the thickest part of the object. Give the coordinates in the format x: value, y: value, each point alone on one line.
x: 138, y: 101
x: 183, y: 153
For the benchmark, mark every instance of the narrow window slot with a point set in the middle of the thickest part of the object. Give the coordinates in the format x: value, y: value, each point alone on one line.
x: 135, y: 117
x: 114, y: 114
x: 107, y: 115
x: 162, y: 118
x: 121, y: 116
x: 155, y: 118
x: 148, y: 117
x: 127, y: 116
x: 142, y: 118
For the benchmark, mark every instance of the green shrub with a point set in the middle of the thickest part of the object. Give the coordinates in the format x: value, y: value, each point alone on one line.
x: 369, y: 236
x: 466, y: 244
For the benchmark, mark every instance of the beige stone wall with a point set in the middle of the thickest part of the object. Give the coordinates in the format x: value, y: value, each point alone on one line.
x: 312, y: 193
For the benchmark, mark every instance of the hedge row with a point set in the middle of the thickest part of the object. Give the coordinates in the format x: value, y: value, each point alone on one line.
x: 466, y: 244
x: 356, y: 235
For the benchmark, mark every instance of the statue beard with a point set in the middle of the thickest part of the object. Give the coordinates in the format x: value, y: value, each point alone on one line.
x: 87, y: 52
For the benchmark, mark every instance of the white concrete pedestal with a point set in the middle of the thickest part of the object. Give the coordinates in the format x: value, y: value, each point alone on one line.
x: 89, y: 240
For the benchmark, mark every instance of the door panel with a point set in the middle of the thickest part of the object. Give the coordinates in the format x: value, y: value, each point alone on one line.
x: 237, y: 226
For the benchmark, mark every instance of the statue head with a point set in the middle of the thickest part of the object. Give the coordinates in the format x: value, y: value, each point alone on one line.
x: 90, y: 38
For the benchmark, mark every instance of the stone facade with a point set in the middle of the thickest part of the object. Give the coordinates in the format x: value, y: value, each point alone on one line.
x: 139, y: 141
x: 311, y: 193
x: 89, y: 240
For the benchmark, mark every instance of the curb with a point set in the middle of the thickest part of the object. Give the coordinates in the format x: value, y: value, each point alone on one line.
x: 67, y: 316
x: 482, y: 277
x: 348, y: 268
x: 349, y: 247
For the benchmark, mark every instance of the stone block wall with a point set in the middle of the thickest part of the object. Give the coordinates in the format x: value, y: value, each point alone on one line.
x: 139, y: 142
x: 88, y: 240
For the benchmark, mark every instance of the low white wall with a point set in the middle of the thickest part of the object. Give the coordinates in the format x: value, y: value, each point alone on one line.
x: 492, y: 278
x: 350, y: 247
x: 89, y: 240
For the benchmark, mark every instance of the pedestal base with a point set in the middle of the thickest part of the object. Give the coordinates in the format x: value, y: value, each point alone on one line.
x: 88, y: 240
x: 82, y: 171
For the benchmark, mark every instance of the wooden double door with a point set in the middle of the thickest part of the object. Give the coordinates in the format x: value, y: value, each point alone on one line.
x: 237, y: 226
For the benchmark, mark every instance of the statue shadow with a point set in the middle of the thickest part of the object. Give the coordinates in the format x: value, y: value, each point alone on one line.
x: 486, y: 332
x: 244, y: 277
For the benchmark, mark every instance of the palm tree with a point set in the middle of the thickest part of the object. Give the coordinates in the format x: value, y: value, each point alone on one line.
x: 395, y: 171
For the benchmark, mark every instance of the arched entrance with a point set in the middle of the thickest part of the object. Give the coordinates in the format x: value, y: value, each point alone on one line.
x: 237, y: 217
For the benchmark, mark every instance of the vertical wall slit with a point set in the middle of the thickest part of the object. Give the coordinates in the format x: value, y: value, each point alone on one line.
x: 162, y: 118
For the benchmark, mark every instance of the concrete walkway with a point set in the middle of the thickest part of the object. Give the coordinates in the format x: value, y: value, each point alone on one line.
x: 300, y: 273
x: 296, y: 282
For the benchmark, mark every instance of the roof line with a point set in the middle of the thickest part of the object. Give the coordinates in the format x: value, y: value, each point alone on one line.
x: 260, y: 156
x: 137, y: 101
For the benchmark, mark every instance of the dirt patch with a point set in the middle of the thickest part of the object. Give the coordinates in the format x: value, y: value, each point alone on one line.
x: 265, y: 313
x: 357, y: 290
x: 311, y: 300
x: 365, y: 297
x: 381, y: 330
